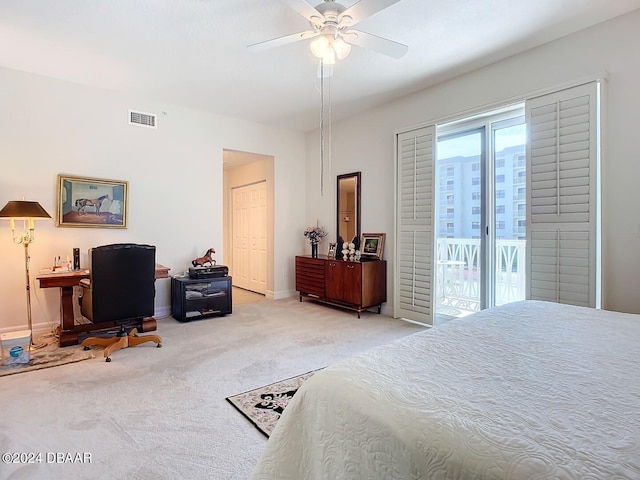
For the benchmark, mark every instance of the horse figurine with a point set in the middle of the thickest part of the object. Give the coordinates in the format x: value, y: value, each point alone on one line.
x: 201, y: 261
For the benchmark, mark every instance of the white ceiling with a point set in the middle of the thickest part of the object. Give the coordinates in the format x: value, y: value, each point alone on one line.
x: 193, y: 52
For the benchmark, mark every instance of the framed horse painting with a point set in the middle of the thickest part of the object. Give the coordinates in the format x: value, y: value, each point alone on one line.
x: 91, y: 202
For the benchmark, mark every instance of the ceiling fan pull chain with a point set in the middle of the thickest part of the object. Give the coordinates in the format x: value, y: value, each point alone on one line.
x: 325, y: 124
x: 321, y: 128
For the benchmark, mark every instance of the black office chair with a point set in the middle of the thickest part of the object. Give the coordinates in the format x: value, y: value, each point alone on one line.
x: 120, y: 292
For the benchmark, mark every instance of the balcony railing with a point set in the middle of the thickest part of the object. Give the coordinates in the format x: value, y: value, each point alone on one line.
x: 458, y: 274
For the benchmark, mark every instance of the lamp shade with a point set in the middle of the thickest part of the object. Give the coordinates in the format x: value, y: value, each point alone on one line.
x: 22, y: 210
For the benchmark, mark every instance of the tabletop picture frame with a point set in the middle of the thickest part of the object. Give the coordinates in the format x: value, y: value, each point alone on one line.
x: 372, y: 245
x: 91, y: 202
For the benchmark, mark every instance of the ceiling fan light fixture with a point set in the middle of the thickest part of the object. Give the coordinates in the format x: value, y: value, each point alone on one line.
x: 342, y: 48
x: 320, y: 46
x: 328, y: 48
x: 329, y: 58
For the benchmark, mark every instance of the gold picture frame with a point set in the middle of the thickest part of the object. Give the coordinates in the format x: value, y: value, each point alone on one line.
x: 372, y: 245
x: 91, y: 202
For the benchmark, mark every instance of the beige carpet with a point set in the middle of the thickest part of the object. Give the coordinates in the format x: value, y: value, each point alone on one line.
x: 240, y: 296
x: 161, y: 413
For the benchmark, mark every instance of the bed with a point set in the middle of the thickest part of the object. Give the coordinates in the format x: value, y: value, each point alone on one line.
x: 522, y: 391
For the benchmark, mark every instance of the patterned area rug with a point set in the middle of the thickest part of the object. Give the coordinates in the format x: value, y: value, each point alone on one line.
x: 263, y: 406
x: 46, y: 359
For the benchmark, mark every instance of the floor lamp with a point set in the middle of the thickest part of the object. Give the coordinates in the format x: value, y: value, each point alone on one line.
x: 27, y: 212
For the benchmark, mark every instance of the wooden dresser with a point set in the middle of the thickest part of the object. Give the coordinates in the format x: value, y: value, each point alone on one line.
x: 354, y: 285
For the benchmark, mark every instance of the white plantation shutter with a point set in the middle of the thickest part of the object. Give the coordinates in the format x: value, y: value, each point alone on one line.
x: 561, y: 196
x: 414, y: 261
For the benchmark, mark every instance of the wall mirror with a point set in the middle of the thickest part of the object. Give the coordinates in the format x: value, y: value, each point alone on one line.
x: 348, y: 206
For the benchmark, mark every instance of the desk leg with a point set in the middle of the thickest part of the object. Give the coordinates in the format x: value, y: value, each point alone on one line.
x: 67, y: 334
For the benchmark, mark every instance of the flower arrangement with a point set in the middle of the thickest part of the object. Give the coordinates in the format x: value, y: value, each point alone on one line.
x: 315, y: 234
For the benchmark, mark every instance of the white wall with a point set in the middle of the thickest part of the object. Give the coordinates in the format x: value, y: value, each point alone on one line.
x: 365, y: 142
x: 175, y: 174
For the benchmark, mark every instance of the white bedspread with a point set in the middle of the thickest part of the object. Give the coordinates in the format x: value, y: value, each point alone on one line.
x: 524, y: 391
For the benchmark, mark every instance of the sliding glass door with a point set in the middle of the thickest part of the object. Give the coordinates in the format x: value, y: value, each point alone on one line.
x: 480, y: 213
x: 459, y: 216
x: 508, y: 275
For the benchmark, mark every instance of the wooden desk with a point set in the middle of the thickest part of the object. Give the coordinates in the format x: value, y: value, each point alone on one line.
x: 65, y: 281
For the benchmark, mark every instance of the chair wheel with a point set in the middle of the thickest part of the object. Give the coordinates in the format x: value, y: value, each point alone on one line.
x: 159, y: 345
x: 86, y: 347
x: 108, y: 359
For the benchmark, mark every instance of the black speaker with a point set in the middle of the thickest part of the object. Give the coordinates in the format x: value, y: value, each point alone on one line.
x: 76, y: 259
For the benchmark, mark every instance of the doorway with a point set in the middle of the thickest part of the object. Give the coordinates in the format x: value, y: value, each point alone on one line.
x: 248, y: 220
x: 249, y: 236
x: 480, y: 213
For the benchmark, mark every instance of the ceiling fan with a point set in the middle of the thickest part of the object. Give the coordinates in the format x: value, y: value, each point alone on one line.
x: 331, y: 26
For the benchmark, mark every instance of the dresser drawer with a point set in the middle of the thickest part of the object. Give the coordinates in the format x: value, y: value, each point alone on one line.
x: 310, y: 276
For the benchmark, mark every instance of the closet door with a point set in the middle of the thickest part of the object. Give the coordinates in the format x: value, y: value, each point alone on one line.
x: 414, y: 225
x: 562, y: 189
x: 249, y: 237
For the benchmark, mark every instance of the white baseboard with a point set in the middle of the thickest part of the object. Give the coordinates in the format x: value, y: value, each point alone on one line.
x: 284, y: 294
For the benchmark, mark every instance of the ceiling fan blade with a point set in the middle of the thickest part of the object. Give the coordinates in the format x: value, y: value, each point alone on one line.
x: 276, y: 42
x: 362, y: 10
x: 373, y: 42
x: 306, y: 10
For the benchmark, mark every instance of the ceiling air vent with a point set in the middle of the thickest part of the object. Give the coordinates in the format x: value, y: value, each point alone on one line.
x: 142, y: 119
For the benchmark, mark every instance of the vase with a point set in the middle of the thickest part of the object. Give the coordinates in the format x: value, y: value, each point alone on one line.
x: 314, y: 250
